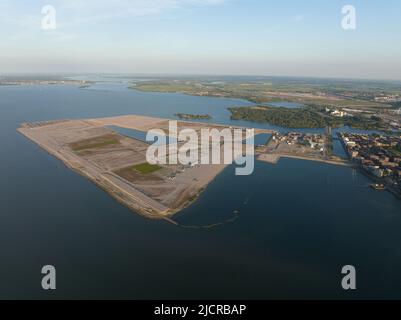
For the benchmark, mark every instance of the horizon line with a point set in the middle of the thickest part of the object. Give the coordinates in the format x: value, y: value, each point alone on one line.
x: 202, y: 75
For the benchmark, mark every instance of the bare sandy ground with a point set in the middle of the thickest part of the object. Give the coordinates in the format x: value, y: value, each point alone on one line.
x: 275, y: 158
x: 157, y: 195
x: 177, y: 187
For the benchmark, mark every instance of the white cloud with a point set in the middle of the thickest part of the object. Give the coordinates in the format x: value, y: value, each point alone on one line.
x: 76, y: 12
x: 22, y: 20
x: 95, y: 10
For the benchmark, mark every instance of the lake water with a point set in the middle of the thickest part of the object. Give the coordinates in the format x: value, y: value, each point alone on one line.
x: 284, y: 232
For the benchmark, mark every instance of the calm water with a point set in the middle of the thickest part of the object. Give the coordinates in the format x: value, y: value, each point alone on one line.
x: 293, y: 225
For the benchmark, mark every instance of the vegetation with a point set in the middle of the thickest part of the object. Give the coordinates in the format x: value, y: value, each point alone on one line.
x: 358, y: 122
x: 284, y: 117
x: 163, y: 87
x: 308, y: 117
x: 97, y: 142
x: 146, y: 168
x: 141, y: 173
x: 315, y: 94
x: 323, y: 92
x: 193, y: 116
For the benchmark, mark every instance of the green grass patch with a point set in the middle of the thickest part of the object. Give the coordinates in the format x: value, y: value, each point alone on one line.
x: 97, y: 142
x: 146, y: 168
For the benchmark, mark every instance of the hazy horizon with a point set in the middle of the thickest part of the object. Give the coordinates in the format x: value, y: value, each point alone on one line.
x: 191, y: 75
x: 203, y: 37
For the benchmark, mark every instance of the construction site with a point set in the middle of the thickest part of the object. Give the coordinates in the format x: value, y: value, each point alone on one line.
x: 117, y: 163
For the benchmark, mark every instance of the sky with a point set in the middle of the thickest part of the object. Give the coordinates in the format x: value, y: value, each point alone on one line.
x: 216, y: 37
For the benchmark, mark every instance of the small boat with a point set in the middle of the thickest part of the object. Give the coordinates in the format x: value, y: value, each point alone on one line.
x: 378, y: 186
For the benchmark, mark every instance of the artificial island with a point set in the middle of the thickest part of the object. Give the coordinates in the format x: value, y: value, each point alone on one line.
x: 117, y: 163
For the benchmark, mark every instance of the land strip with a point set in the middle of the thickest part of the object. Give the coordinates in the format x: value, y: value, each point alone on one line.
x: 117, y: 163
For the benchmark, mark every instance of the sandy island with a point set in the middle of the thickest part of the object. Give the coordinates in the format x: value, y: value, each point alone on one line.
x: 117, y: 163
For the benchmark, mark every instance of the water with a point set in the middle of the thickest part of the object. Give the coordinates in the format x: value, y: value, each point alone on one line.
x: 131, y: 133
x: 141, y: 135
x: 262, y: 139
x: 338, y: 148
x: 287, y: 229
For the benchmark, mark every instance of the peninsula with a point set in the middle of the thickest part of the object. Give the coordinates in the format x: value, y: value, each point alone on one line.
x: 187, y: 116
x: 117, y: 163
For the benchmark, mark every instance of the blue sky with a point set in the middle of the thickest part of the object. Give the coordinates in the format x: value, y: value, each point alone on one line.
x: 252, y: 37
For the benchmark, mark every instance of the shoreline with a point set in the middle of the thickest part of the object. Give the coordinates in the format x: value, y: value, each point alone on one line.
x: 275, y: 158
x: 114, y: 193
x: 191, y: 183
x: 389, y: 187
